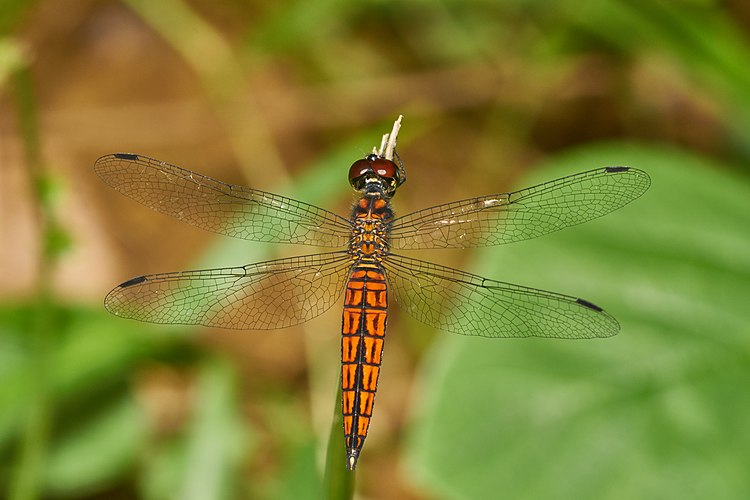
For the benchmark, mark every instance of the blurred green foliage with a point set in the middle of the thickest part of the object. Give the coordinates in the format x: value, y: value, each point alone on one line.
x: 657, y: 412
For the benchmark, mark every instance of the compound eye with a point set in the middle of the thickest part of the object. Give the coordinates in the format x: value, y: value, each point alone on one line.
x: 385, y: 168
x: 358, y: 169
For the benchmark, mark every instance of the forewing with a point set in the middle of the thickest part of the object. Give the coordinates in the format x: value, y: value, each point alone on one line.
x: 223, y: 208
x: 263, y: 296
x: 464, y: 303
x: 521, y: 215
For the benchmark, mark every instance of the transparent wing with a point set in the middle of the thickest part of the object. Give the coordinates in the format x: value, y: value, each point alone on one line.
x: 262, y: 296
x: 464, y: 303
x: 521, y: 215
x: 222, y: 208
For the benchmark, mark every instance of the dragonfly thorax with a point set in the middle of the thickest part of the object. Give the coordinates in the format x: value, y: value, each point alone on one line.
x: 372, y: 216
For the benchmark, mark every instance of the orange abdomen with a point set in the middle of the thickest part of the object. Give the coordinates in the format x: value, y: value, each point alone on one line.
x: 363, y: 332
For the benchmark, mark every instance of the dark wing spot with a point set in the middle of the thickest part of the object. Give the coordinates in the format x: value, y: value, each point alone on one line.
x: 614, y: 170
x: 126, y: 156
x: 134, y: 281
x: 584, y: 303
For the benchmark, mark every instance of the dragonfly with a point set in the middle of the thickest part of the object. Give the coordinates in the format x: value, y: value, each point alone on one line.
x: 365, y: 269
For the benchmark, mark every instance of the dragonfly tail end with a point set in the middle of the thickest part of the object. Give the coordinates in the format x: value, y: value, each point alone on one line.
x: 351, y: 459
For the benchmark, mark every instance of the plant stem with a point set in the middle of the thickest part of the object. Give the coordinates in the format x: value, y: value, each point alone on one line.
x: 26, y: 483
x: 338, y: 482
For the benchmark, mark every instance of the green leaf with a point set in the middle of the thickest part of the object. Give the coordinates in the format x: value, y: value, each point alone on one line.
x: 101, y: 449
x: 299, y: 478
x: 163, y: 466
x: 205, y: 461
x: 90, y: 355
x: 659, y: 411
x: 217, y: 440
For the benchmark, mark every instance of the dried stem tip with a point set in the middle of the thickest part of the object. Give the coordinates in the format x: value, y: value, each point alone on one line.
x: 388, y: 144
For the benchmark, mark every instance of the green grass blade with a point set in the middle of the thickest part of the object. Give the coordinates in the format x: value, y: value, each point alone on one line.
x: 338, y: 482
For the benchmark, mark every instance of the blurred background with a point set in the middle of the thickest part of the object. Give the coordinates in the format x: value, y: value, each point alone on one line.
x: 283, y: 96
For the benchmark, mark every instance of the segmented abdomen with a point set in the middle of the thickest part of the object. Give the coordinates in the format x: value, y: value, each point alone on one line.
x: 363, y: 332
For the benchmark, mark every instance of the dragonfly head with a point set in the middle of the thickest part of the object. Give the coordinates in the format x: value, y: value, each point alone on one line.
x: 376, y: 174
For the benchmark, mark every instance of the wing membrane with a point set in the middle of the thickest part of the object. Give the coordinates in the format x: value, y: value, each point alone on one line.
x: 223, y: 208
x: 520, y: 215
x: 464, y: 303
x: 262, y: 296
